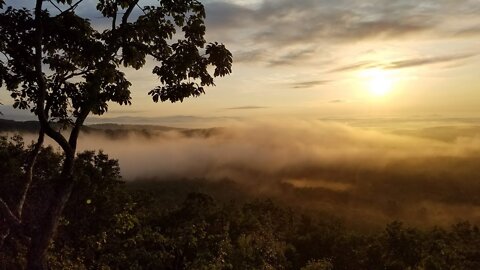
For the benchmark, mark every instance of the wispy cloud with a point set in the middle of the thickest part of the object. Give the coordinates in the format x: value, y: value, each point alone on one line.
x: 277, y: 26
x: 427, y: 61
x: 254, y: 55
x: 354, y: 66
x: 246, y: 108
x: 309, y: 84
x: 293, y: 56
x: 125, y: 111
x: 469, y: 31
x: 405, y: 63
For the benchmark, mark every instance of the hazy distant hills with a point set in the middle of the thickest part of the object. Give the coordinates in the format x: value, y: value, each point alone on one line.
x: 12, y: 126
x: 110, y: 130
x: 442, y: 131
x: 183, y: 121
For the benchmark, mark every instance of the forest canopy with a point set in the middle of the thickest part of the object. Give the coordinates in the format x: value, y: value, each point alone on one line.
x: 110, y: 224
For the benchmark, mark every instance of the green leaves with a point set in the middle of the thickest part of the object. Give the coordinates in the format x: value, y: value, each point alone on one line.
x: 221, y: 58
x: 195, y: 30
x: 108, y: 8
x: 83, y: 63
x: 177, y: 92
x: 64, y: 1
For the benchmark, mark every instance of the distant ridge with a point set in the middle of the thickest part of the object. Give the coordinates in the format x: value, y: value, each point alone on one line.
x: 12, y: 125
x: 111, y: 130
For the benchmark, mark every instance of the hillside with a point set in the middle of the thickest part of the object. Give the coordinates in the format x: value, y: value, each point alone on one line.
x: 110, y: 130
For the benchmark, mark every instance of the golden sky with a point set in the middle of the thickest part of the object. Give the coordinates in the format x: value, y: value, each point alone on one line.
x: 323, y: 58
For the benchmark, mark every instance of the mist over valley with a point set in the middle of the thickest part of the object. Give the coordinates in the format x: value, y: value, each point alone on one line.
x: 420, y: 174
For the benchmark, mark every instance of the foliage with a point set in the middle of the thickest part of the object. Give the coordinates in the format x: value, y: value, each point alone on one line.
x: 110, y: 225
x: 63, y: 68
x: 84, y: 62
x: 318, y: 265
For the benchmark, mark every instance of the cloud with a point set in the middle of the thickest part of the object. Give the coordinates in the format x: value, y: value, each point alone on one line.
x: 337, y: 101
x: 282, y: 22
x: 174, y: 120
x: 125, y: 111
x: 227, y: 15
x: 419, y: 176
x: 277, y: 26
x: 406, y: 63
x: 292, y: 57
x: 255, y: 55
x: 467, y: 32
x: 309, y: 84
x: 427, y: 61
x: 354, y: 66
x: 246, y: 108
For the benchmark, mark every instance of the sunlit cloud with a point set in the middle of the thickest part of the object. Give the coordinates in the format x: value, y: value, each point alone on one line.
x: 246, y: 108
x: 337, y: 101
x: 309, y: 84
x: 278, y: 24
x: 349, y: 167
x: 406, y: 63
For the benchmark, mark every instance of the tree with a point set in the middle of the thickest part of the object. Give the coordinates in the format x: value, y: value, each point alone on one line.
x: 62, y: 68
x: 318, y: 265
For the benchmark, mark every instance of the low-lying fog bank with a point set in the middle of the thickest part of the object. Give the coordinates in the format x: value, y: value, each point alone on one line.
x: 424, y: 176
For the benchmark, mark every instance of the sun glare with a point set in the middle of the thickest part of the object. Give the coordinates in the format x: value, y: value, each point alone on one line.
x: 379, y: 82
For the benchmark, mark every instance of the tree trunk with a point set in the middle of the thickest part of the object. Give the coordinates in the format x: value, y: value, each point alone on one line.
x: 44, y: 234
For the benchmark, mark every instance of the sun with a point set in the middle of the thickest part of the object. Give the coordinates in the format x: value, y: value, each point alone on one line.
x: 378, y: 81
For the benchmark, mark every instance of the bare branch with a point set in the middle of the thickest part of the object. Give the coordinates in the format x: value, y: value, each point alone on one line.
x: 53, y: 4
x: 74, y: 74
x: 29, y: 164
x: 141, y: 9
x: 71, y: 8
x: 8, y: 215
x: 74, y: 6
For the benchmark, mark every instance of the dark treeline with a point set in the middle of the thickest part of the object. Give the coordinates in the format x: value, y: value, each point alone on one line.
x: 108, y: 224
x: 109, y: 131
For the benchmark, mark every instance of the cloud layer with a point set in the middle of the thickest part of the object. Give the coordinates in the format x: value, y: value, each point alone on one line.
x: 284, y: 31
x: 405, y: 63
x: 423, y: 176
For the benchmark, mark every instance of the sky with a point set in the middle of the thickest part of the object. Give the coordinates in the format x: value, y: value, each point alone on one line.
x: 315, y: 59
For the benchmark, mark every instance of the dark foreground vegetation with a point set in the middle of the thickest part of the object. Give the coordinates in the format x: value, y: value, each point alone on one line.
x: 108, y: 224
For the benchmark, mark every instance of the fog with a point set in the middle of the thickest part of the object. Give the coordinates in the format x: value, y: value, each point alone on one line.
x: 361, y: 174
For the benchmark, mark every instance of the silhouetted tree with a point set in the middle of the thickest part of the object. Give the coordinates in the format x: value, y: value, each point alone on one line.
x: 59, y: 66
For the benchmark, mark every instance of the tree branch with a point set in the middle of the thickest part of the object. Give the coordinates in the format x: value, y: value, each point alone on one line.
x: 53, y: 4
x: 29, y: 164
x: 42, y: 87
x: 141, y: 9
x: 74, y: 74
x: 8, y: 215
x: 128, y: 12
x: 114, y: 18
x: 78, y: 125
x: 72, y: 7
